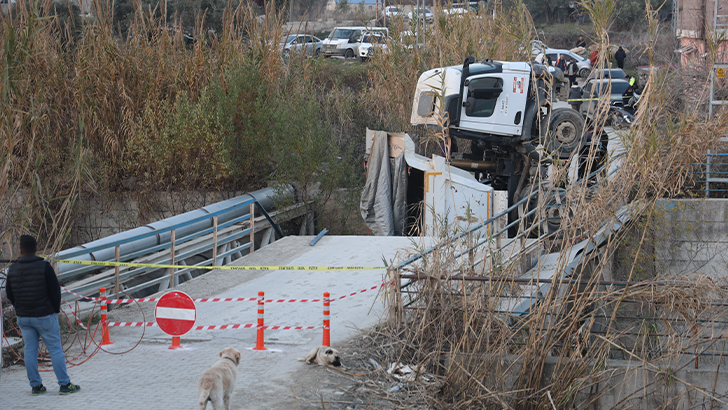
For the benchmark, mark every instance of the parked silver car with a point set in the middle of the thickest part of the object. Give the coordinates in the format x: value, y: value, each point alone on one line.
x: 581, y: 62
x: 295, y: 44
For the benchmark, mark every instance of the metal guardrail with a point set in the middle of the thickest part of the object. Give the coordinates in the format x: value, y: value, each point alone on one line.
x: 496, y: 221
x: 397, y: 304
x: 215, y: 246
x: 715, y: 176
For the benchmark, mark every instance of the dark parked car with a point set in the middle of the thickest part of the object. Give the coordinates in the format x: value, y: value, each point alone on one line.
x: 596, y: 90
x: 617, y: 73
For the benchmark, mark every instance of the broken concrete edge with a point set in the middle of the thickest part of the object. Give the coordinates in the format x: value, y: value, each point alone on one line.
x: 640, y: 383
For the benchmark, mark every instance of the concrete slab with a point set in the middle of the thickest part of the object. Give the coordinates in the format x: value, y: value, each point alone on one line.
x: 150, y: 375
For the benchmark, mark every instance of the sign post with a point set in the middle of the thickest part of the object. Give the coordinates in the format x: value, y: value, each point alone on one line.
x: 176, y: 315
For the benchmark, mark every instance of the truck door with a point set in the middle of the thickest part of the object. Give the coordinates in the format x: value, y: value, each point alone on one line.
x: 495, y: 103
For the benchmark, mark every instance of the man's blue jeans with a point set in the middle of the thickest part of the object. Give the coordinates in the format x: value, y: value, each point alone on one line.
x: 46, y: 327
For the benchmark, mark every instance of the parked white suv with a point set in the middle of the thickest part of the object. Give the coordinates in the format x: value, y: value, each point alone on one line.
x: 459, y: 9
x: 371, y: 44
x: 393, y: 12
x: 417, y: 14
x: 344, y: 41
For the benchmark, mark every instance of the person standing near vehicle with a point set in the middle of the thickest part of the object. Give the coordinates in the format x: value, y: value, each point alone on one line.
x: 539, y: 58
x: 575, y: 97
x: 593, y: 57
x: 33, y: 289
x: 580, y: 42
x: 631, y: 80
x: 620, y: 56
x: 572, y: 70
x: 561, y: 63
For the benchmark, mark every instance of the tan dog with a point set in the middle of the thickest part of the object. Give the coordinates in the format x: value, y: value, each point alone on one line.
x: 217, y: 383
x: 323, y: 356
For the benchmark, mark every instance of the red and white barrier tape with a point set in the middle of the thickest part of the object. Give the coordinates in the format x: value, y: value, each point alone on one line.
x: 132, y: 324
x: 80, y: 296
x: 356, y: 293
x: 203, y: 300
x: 217, y: 327
x: 74, y: 315
x: 141, y: 300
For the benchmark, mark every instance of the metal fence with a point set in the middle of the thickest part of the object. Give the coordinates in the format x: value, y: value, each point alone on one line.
x: 216, y: 245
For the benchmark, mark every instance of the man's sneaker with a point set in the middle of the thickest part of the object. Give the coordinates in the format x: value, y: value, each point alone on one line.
x: 70, y: 388
x: 38, y: 390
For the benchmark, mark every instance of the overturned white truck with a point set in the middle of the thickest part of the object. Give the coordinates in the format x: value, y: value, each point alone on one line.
x: 505, y: 110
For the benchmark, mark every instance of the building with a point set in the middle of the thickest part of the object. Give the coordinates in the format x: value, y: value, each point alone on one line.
x: 696, y: 23
x: 369, y: 6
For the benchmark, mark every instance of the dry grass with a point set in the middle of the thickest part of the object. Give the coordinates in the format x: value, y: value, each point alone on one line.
x: 70, y: 108
x: 93, y: 113
x: 556, y: 355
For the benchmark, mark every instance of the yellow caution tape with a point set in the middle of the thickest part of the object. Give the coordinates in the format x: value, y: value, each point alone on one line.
x: 161, y: 266
x: 595, y: 99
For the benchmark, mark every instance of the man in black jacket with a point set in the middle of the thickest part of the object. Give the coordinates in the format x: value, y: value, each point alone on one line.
x: 32, y: 287
x: 620, y: 56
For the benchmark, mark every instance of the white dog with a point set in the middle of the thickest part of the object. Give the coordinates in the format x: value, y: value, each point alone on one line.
x: 323, y: 356
x: 217, y: 383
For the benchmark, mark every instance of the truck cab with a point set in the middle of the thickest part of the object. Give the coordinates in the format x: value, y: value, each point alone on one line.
x: 493, y: 97
x: 506, y: 111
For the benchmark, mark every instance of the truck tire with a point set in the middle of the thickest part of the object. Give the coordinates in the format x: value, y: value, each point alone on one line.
x: 584, y: 73
x: 564, y: 133
x: 349, y: 53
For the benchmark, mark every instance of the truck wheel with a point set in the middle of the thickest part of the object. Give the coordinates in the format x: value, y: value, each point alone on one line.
x: 565, y: 132
x: 584, y: 73
x: 349, y: 53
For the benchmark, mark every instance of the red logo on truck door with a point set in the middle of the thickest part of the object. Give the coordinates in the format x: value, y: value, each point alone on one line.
x: 520, y: 85
x: 515, y: 84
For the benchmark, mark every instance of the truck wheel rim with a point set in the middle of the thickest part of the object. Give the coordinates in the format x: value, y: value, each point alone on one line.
x: 565, y: 132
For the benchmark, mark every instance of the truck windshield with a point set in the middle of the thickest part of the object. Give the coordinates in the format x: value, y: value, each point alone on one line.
x: 342, y: 33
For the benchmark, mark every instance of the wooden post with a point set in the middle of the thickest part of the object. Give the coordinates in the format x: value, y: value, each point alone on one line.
x: 695, y: 332
x: 395, y: 299
x: 171, y: 270
x: 116, y: 271
x: 252, y: 227
x: 471, y: 252
x: 524, y: 255
x: 214, y: 241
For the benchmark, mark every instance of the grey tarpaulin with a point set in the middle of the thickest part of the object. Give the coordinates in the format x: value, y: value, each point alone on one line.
x: 384, y: 199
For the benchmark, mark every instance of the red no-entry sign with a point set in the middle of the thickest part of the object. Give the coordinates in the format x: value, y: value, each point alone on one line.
x: 175, y: 313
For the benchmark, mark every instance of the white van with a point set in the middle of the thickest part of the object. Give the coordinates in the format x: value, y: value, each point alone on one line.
x: 344, y: 41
